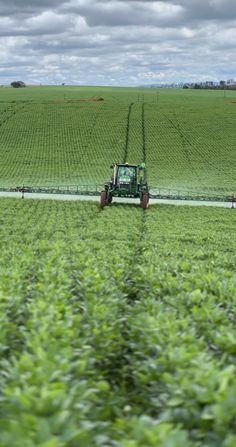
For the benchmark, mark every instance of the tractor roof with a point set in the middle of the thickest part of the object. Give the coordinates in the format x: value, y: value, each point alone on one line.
x: 127, y: 164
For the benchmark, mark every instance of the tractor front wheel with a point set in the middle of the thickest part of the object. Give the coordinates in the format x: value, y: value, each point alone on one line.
x: 103, y: 199
x: 144, y: 200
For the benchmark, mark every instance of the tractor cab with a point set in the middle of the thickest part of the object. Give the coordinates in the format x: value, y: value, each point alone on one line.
x: 126, y: 175
x: 127, y: 181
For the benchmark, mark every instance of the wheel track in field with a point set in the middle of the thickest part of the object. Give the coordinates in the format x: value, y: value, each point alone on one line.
x: 136, y: 258
x: 124, y: 374
x: 127, y: 135
x: 119, y: 370
x: 187, y: 142
x: 144, y: 134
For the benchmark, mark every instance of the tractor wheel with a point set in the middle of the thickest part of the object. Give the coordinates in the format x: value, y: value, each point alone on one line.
x: 103, y: 199
x: 109, y: 199
x: 144, y: 200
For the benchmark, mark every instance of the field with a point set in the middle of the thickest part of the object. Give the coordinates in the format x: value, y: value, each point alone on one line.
x: 117, y: 325
x: 68, y: 136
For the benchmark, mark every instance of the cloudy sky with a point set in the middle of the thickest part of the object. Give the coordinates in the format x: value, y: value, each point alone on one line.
x: 117, y: 42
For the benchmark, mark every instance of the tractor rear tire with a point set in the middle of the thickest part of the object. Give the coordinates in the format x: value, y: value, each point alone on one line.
x: 144, y: 200
x: 103, y: 199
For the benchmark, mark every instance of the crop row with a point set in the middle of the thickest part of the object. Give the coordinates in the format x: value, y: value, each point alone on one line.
x: 58, y: 144
x: 189, y: 149
x: 69, y: 137
x: 117, y: 326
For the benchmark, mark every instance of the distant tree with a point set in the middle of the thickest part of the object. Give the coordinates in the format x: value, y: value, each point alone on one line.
x: 185, y: 86
x: 197, y: 86
x: 17, y: 84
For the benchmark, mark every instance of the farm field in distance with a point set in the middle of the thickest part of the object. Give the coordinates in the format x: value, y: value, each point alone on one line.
x: 70, y: 136
x: 117, y: 325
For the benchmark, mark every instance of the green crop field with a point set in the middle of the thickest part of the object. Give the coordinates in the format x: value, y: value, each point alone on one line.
x: 117, y: 326
x: 70, y: 136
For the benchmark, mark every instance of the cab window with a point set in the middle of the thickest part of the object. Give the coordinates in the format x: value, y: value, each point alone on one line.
x: 126, y: 171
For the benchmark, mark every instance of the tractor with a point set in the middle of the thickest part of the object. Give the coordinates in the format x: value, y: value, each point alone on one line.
x: 127, y: 181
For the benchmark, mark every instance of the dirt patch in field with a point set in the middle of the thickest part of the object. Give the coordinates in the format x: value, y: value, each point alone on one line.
x: 91, y: 100
x: 73, y: 101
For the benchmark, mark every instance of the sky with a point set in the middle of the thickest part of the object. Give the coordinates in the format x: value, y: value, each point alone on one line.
x: 120, y: 43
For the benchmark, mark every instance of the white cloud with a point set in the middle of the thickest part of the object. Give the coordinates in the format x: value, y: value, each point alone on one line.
x: 116, y: 42
x: 164, y: 9
x: 48, y: 22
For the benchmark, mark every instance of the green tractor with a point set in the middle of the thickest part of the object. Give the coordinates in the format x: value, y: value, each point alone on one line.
x: 127, y: 181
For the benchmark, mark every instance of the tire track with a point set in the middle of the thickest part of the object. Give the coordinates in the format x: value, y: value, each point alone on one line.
x: 119, y: 370
x: 143, y: 132
x: 126, y: 149
x: 125, y: 377
x: 187, y: 142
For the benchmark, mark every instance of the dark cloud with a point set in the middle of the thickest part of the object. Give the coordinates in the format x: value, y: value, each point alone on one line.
x: 117, y: 42
x: 126, y: 13
x: 209, y: 10
x: 11, y: 7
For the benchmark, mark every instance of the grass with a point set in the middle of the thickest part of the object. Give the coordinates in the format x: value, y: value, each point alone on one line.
x: 117, y: 326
